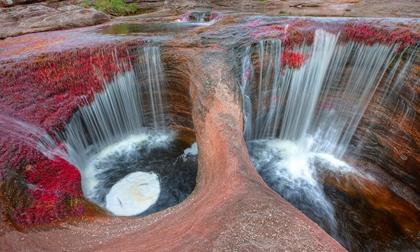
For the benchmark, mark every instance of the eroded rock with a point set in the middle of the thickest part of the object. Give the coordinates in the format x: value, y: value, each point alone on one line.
x: 38, y: 17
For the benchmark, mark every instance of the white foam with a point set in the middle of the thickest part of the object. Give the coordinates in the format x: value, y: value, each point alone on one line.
x: 131, y: 143
x: 294, y: 168
x: 133, y: 194
x: 192, y: 151
x: 296, y: 159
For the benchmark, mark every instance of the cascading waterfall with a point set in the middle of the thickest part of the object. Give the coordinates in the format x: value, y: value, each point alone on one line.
x: 122, y: 147
x: 130, y: 162
x: 299, y: 122
x: 31, y: 135
x: 290, y: 104
x: 347, y: 102
x: 130, y: 102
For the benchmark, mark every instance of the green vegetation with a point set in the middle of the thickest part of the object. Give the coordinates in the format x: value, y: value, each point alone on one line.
x: 283, y: 13
x: 112, y: 7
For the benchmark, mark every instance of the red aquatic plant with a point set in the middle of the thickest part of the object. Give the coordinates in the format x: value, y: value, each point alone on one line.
x: 291, y: 34
x: 296, y: 32
x: 46, y: 91
x: 369, y: 34
x: 292, y: 59
x: 54, y: 190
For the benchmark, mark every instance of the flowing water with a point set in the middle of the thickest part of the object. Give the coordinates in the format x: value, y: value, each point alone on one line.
x: 153, y: 28
x: 131, y: 101
x: 299, y: 121
x: 130, y: 162
x: 141, y: 174
x: 30, y: 135
x: 293, y: 104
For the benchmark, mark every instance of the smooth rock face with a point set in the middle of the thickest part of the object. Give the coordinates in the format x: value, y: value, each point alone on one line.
x: 388, y: 134
x: 231, y: 207
x: 38, y: 17
x: 28, y: 16
x: 8, y: 3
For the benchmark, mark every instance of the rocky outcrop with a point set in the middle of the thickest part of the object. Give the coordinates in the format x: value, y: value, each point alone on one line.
x: 9, y: 3
x: 347, y: 8
x: 34, y: 17
x: 231, y: 207
x: 38, y: 17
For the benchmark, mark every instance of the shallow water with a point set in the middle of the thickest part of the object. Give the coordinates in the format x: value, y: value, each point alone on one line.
x: 134, y: 28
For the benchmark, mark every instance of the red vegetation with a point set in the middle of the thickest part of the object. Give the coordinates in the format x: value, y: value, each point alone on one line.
x: 45, y: 92
x: 368, y: 34
x: 292, y: 59
x: 55, y: 192
x: 295, y: 33
x: 292, y: 33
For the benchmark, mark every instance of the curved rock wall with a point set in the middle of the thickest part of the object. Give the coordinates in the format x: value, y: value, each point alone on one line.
x: 231, y: 207
x: 45, y: 92
x: 388, y: 134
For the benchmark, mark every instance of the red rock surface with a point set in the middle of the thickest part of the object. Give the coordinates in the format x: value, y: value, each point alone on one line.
x: 389, y: 133
x: 231, y: 207
x: 45, y: 92
x: 54, y: 15
x: 46, y: 16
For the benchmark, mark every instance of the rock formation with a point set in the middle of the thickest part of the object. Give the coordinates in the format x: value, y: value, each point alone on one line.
x: 44, y: 76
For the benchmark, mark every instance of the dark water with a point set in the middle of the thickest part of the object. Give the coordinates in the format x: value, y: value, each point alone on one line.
x: 370, y: 217
x: 176, y: 171
x: 200, y: 16
x: 360, y: 213
x: 134, y: 28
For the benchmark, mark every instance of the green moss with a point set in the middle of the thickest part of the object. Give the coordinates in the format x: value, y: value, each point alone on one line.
x: 85, y: 3
x: 283, y: 13
x: 112, y: 7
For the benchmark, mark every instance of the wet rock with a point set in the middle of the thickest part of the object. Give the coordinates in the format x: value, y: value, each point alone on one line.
x: 8, y: 3
x: 388, y: 134
x: 38, y: 17
x: 231, y: 208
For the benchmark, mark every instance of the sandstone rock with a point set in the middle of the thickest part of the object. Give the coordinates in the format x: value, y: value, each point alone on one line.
x: 8, y: 3
x: 38, y: 17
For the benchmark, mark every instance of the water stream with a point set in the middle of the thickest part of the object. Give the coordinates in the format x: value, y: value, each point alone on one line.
x: 130, y: 161
x: 299, y: 120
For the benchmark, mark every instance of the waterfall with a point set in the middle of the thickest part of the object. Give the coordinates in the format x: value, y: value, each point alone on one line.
x: 286, y: 98
x: 130, y: 162
x: 130, y: 101
x: 109, y: 140
x: 321, y: 100
x: 199, y: 16
x: 30, y: 135
x: 300, y: 119
x: 348, y: 100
